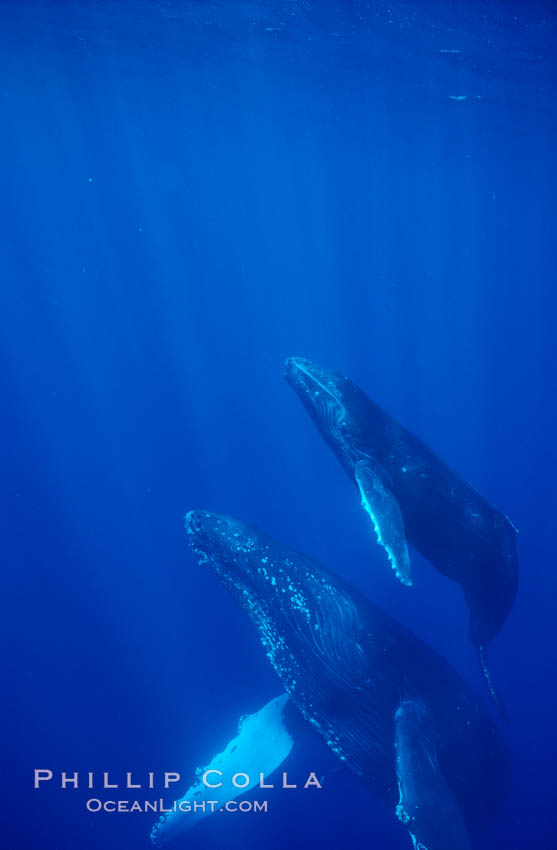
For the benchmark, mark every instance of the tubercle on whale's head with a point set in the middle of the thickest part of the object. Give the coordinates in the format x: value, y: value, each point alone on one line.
x: 217, y: 539
x: 239, y: 556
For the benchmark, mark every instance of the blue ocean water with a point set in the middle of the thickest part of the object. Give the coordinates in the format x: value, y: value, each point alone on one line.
x: 191, y: 192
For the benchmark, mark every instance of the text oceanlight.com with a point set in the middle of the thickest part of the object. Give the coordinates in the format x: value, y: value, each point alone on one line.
x: 162, y: 807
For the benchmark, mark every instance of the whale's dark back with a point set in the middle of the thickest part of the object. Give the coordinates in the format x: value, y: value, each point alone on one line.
x: 472, y: 752
x: 356, y: 702
x: 446, y: 519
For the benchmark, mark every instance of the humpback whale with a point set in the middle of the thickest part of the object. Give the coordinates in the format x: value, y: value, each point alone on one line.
x: 411, y: 494
x: 385, y: 703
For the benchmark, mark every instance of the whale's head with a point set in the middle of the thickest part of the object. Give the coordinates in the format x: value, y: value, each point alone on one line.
x: 307, y: 619
x: 321, y: 390
x: 228, y: 546
x: 333, y: 402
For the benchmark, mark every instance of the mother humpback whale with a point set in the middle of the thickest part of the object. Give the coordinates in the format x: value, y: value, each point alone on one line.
x: 412, y: 494
x: 385, y: 703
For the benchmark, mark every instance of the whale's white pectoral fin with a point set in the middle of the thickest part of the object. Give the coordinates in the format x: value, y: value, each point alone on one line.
x: 261, y: 745
x: 383, y: 509
x: 426, y: 804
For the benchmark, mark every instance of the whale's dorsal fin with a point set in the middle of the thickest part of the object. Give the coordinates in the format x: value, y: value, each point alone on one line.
x: 382, y: 507
x: 426, y: 804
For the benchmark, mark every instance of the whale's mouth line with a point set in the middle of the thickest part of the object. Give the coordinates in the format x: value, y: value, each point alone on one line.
x: 327, y: 406
x: 298, y: 364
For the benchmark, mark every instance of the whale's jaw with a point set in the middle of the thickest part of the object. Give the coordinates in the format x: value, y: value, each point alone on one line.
x: 320, y: 391
x: 306, y: 618
x: 333, y: 403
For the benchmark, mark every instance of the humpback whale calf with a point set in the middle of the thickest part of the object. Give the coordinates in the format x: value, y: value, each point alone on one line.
x: 385, y: 703
x: 411, y: 494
